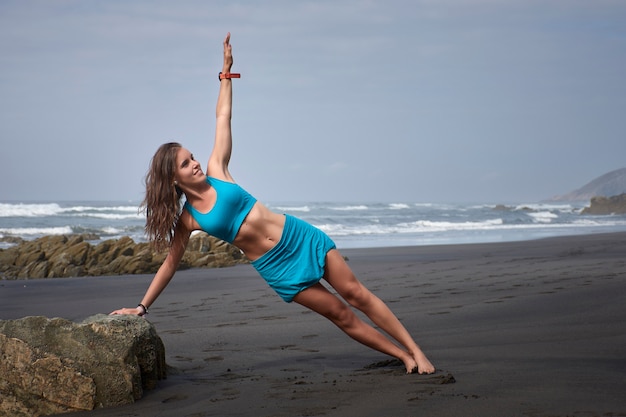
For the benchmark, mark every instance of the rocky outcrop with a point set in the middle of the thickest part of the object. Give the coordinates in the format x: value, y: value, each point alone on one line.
x: 611, y: 183
x: 502, y: 207
x: 54, y: 366
x: 73, y: 256
x: 607, y: 205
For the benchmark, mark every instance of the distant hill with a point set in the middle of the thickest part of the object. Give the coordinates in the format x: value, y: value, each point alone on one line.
x: 610, y: 184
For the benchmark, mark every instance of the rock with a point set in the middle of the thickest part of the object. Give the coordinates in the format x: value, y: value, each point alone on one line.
x: 502, y: 207
x: 11, y: 239
x: 71, y: 256
x: 27, y: 374
x: 607, y: 205
x: 32, y: 252
x: 53, y: 366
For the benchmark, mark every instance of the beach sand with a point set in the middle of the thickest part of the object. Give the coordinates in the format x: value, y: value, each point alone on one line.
x: 533, y: 328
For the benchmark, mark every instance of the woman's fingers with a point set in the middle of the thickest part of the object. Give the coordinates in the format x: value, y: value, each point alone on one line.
x: 228, y: 55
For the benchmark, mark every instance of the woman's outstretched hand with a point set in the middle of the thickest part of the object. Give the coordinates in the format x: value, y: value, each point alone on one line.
x: 136, y: 311
x: 228, y: 54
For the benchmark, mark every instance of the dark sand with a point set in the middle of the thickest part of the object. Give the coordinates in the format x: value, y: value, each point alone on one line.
x: 534, y: 328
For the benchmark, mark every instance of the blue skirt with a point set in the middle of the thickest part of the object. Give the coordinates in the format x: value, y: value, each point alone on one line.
x: 297, y: 261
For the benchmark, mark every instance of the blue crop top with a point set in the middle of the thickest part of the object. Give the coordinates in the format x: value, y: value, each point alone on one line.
x: 231, y: 207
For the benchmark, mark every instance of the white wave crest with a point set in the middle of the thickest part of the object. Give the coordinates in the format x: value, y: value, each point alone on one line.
x: 349, y: 208
x: 543, y: 216
x: 565, y: 208
x: 29, y: 210
x: 26, y: 231
x: 54, y: 209
x: 97, y: 209
x: 434, y: 226
x: 112, y: 216
x: 304, y: 209
x: 398, y: 206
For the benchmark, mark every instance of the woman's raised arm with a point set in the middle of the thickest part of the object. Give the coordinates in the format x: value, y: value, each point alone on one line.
x: 222, y: 148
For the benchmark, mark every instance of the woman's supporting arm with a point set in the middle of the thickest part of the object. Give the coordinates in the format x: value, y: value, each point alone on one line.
x: 165, y: 273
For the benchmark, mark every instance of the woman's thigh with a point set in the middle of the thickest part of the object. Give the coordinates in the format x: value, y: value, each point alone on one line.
x: 319, y: 299
x: 339, y: 275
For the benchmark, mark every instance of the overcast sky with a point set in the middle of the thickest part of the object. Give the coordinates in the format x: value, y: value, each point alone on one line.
x: 364, y: 101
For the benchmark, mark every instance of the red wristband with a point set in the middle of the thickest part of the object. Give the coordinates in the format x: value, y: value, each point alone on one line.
x: 228, y: 75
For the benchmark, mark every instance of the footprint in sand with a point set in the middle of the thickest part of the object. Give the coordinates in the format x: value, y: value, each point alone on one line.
x: 440, y: 377
x: 273, y: 318
x: 241, y: 323
x: 175, y: 331
x: 177, y: 397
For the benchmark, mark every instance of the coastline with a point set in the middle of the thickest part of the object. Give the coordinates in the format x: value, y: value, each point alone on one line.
x: 526, y: 328
x: 350, y: 225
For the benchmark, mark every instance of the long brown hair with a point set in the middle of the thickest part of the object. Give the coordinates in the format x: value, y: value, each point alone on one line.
x: 162, y: 202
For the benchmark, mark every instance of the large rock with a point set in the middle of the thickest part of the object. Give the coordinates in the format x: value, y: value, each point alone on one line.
x: 72, y: 256
x: 607, y: 205
x: 53, y: 366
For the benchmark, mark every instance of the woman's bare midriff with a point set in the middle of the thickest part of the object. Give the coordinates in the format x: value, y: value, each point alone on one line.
x: 260, y: 231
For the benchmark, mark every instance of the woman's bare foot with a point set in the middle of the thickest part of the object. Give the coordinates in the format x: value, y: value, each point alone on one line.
x: 410, y: 364
x: 423, y: 365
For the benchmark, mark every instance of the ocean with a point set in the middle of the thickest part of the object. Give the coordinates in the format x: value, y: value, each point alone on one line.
x: 355, y: 225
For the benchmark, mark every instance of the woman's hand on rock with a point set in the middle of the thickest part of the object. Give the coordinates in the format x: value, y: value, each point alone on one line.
x: 136, y: 311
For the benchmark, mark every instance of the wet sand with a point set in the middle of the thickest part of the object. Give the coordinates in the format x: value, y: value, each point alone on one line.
x: 535, y: 328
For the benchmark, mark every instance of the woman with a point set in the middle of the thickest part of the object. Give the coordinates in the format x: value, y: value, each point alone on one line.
x: 290, y: 254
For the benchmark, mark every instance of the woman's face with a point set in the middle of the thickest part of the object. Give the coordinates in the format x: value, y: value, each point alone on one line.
x: 188, y: 170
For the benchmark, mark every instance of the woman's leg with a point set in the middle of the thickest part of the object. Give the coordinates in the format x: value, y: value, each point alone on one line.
x: 340, y: 276
x: 320, y: 300
x: 342, y: 279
